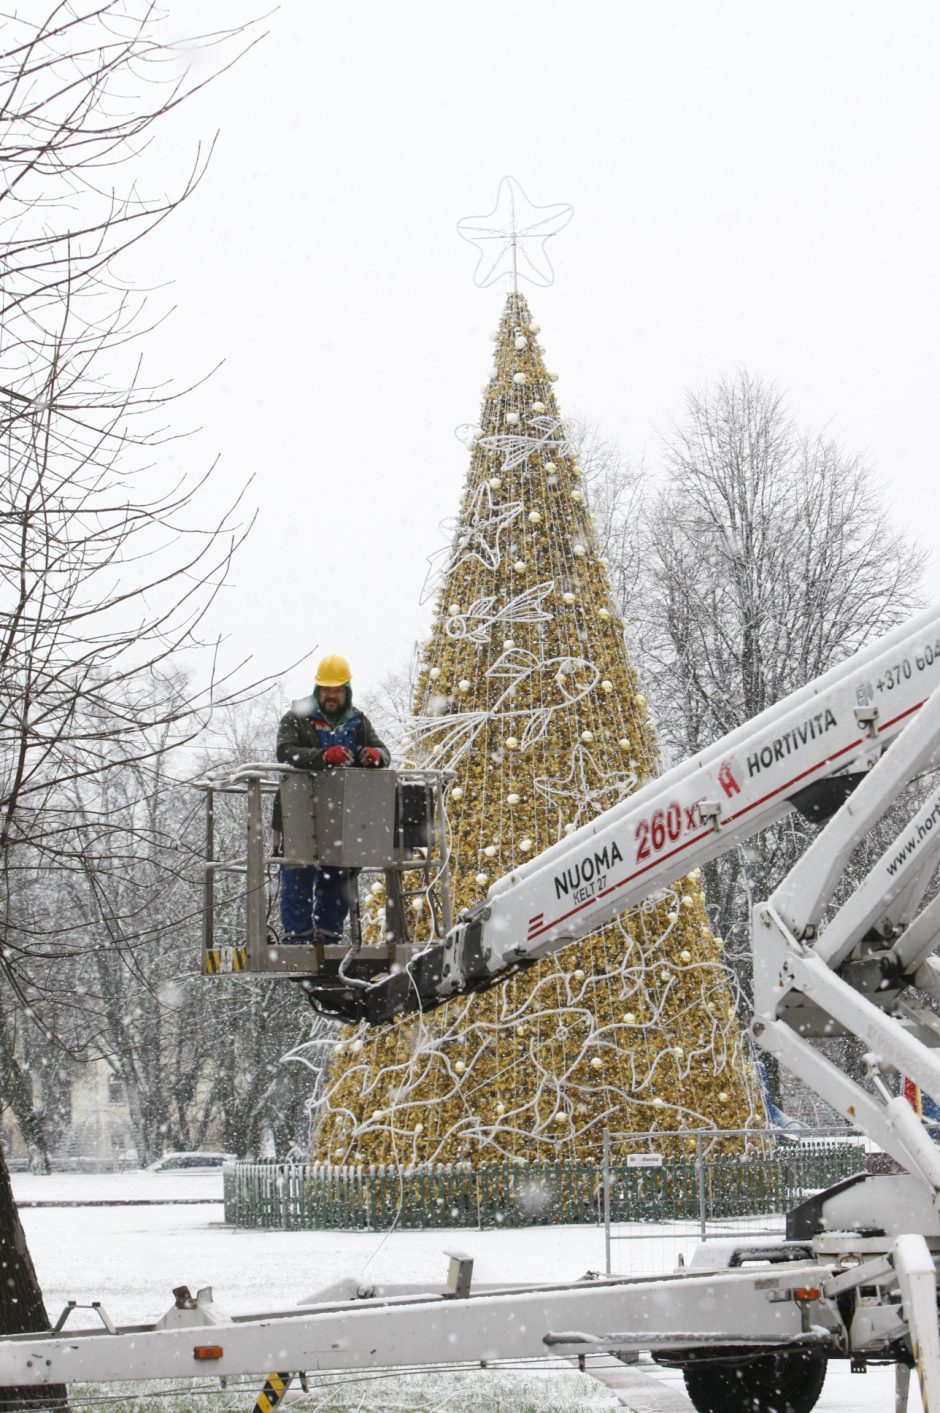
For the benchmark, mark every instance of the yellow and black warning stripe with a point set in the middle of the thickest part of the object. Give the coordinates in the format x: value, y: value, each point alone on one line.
x: 217, y: 960
x: 275, y: 1387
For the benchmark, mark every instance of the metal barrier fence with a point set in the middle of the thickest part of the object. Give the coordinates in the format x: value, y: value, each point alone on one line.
x: 702, y: 1194
x: 664, y: 1205
x: 294, y: 1196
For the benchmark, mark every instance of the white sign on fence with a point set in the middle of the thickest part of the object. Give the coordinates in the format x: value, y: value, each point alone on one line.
x: 644, y: 1160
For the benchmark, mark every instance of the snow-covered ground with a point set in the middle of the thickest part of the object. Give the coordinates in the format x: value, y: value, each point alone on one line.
x: 132, y: 1186
x: 130, y: 1258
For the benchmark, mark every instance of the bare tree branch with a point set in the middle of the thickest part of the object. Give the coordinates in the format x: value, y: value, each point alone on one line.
x: 109, y: 562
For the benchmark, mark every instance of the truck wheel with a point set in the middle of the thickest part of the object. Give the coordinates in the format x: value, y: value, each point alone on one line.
x: 788, y: 1382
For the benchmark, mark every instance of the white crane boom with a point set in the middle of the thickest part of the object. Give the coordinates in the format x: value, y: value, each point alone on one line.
x: 807, y: 752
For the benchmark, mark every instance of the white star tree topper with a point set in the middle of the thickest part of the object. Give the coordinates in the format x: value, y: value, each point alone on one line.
x: 512, y: 237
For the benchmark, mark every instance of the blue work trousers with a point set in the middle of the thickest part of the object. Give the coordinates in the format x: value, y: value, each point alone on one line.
x: 313, y: 899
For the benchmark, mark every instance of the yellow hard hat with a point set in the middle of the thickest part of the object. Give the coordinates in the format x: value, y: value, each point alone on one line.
x: 333, y: 672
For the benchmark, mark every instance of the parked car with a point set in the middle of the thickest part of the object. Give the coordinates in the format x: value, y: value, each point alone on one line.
x: 190, y: 1162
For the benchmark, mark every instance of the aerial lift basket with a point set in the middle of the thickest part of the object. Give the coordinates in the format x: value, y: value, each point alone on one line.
x: 387, y: 825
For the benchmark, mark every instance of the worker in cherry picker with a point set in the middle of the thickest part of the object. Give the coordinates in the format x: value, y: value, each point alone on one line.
x: 322, y: 732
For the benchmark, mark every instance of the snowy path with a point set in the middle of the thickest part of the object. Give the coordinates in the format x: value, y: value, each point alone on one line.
x: 130, y: 1258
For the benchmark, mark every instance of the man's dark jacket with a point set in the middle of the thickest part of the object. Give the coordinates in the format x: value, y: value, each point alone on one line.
x: 305, y: 732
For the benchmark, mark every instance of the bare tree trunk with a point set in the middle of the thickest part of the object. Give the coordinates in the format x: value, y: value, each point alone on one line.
x: 16, y: 1096
x: 22, y: 1308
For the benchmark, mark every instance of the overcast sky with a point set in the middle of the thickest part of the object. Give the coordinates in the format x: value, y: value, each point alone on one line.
x: 755, y: 185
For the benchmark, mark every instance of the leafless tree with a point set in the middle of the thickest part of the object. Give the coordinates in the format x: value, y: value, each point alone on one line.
x: 765, y: 557
x: 389, y: 705
x: 107, y: 568
x: 769, y: 557
x: 775, y: 556
x: 191, y: 1055
x: 615, y: 490
x: 260, y: 1099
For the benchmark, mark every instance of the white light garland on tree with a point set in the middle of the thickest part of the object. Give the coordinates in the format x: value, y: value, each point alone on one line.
x: 544, y: 1066
x: 578, y: 797
x: 483, y: 616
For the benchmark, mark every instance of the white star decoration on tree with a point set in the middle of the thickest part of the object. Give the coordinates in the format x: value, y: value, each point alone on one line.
x: 512, y: 237
x: 577, y: 791
x: 484, y: 527
x: 479, y: 537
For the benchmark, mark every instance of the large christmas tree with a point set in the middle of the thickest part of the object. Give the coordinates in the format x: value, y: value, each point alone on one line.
x: 526, y: 693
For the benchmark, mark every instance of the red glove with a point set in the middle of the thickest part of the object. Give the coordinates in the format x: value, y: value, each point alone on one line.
x: 370, y: 756
x: 337, y: 755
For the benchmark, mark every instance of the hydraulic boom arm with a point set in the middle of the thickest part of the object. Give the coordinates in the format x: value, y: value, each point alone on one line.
x: 808, y: 752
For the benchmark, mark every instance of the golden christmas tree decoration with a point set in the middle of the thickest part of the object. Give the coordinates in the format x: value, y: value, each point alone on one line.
x: 526, y: 692
x: 634, y: 1028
